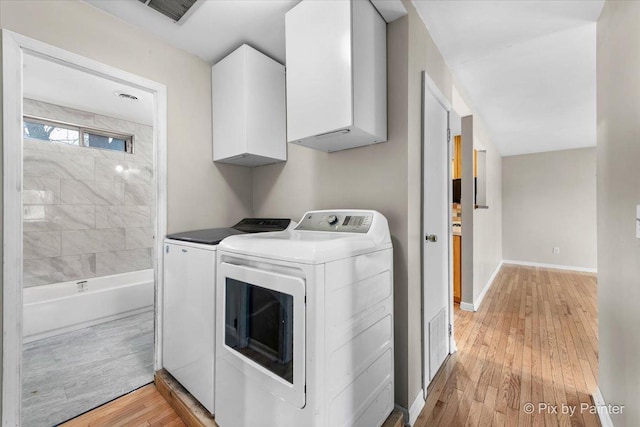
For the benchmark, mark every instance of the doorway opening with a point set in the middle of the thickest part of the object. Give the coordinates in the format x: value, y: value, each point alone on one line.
x: 84, y: 198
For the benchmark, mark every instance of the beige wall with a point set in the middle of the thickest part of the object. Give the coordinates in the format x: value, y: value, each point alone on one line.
x: 618, y: 157
x: 467, y: 210
x: 549, y: 200
x: 487, y: 223
x: 200, y: 193
x: 482, y: 236
x: 385, y: 177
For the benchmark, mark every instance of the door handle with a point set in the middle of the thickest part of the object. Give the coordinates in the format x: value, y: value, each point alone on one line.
x: 431, y: 238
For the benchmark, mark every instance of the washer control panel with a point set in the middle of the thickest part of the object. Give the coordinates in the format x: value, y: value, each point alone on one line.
x: 338, y: 221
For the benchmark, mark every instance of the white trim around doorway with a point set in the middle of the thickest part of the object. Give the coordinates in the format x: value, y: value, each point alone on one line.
x: 13, y: 47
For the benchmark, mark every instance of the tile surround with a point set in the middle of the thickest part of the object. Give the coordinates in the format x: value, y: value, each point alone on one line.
x: 58, y: 217
x: 74, y: 192
x: 134, y: 173
x: 42, y: 271
x: 40, y: 191
x: 76, y: 242
x: 138, y: 195
x: 122, y: 261
x: 141, y: 237
x: 57, y: 112
x: 54, y: 164
x: 123, y: 216
x: 41, y: 244
x: 87, y: 211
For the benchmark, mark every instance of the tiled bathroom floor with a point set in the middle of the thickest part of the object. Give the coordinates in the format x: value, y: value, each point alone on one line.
x: 67, y: 375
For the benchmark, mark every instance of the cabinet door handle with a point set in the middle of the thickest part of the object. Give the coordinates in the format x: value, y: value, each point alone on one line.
x: 431, y: 238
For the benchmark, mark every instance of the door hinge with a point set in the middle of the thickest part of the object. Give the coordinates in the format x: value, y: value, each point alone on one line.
x: 448, y: 135
x: 450, y: 329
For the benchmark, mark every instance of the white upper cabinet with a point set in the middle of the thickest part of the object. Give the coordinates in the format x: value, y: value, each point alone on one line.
x: 249, y: 118
x: 336, y: 75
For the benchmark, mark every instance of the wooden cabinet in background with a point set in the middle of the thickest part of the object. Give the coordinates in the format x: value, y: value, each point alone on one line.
x: 457, y: 268
x: 456, y: 162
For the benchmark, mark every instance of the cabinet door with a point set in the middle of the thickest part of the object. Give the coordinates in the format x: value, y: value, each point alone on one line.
x: 188, y: 319
x: 457, y: 268
x: 319, y: 68
x: 229, y: 107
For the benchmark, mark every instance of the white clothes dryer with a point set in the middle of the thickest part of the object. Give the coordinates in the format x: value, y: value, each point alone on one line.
x: 304, y: 324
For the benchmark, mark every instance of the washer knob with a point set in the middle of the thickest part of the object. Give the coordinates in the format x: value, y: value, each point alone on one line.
x: 332, y: 219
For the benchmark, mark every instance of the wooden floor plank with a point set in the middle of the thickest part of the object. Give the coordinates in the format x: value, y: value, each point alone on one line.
x: 142, y: 407
x: 534, y: 340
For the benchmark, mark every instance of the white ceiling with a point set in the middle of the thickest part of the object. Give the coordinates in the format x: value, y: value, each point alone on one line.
x: 216, y: 28
x: 54, y: 83
x: 526, y: 67
x: 212, y: 29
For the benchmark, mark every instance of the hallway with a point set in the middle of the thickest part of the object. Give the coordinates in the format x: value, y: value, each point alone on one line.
x: 534, y: 340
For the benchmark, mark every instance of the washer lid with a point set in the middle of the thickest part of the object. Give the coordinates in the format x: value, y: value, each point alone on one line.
x: 209, y: 236
x: 322, y: 238
x: 213, y: 236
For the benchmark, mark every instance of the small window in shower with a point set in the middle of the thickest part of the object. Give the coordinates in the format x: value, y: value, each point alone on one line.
x: 107, y: 141
x: 51, y: 131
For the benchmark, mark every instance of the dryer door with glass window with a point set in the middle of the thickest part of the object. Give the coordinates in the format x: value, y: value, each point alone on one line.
x: 264, y: 328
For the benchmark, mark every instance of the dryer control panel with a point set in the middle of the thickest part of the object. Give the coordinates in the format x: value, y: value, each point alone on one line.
x: 337, y: 221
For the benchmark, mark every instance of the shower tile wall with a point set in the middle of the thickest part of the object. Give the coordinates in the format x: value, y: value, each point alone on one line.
x: 87, y: 212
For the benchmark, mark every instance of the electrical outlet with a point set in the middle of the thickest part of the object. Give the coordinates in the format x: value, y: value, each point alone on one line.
x: 556, y: 251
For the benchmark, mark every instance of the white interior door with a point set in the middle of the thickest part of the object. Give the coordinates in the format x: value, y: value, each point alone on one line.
x: 436, y: 239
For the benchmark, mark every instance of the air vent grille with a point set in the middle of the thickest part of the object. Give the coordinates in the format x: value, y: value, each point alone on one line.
x: 174, y: 9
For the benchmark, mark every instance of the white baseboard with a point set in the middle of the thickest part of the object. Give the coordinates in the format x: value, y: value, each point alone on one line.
x: 466, y: 306
x: 411, y: 415
x: 553, y: 266
x: 476, y: 304
x: 598, y: 400
x: 416, y: 408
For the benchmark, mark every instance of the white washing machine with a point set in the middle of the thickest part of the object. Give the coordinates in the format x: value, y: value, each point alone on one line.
x: 188, y: 321
x: 304, y: 324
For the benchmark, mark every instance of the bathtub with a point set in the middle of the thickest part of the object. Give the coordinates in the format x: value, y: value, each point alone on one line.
x: 54, y: 309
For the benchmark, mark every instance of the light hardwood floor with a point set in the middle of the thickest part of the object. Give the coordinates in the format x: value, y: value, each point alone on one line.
x: 143, y: 407
x: 534, y: 339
